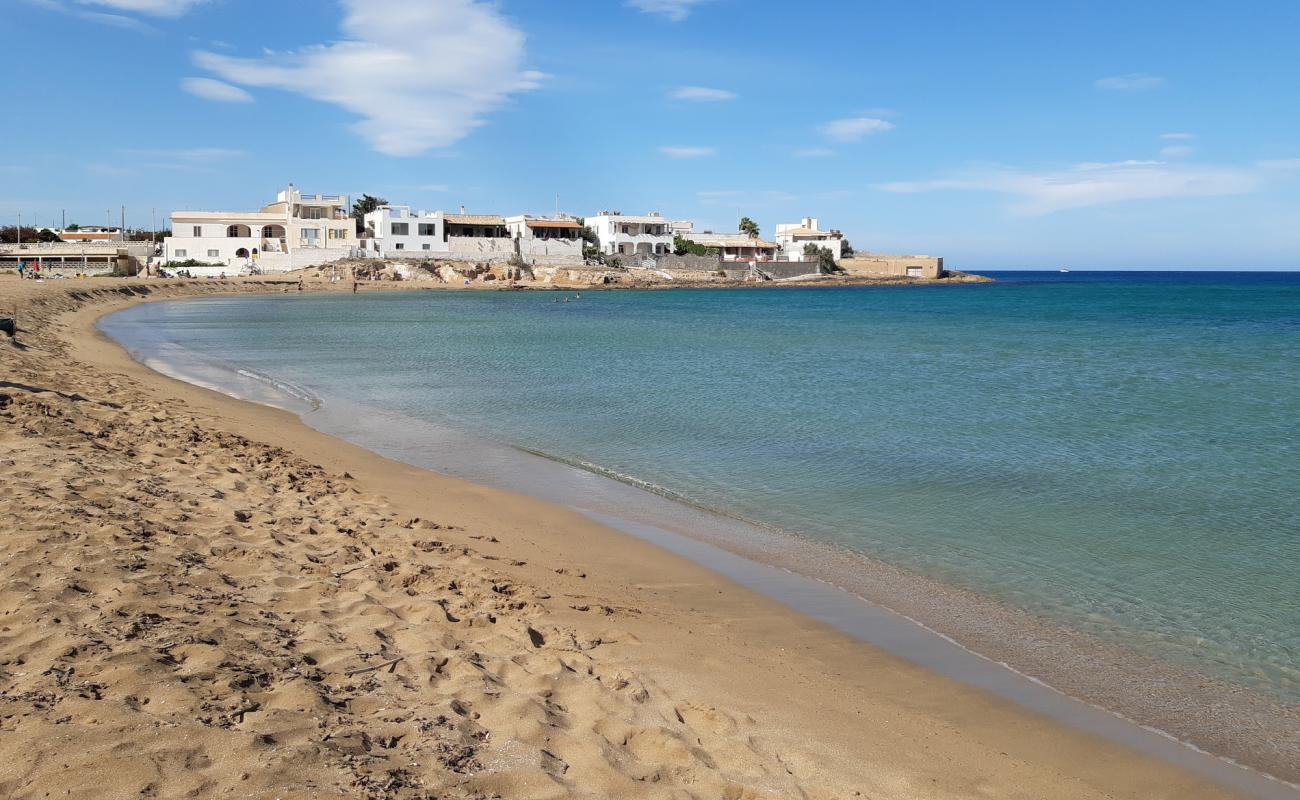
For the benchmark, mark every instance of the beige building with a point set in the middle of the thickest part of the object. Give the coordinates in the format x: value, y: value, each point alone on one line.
x: 297, y: 230
x: 880, y: 265
x: 736, y: 246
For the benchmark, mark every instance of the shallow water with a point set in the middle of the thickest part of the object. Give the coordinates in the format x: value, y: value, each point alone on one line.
x: 1118, y: 453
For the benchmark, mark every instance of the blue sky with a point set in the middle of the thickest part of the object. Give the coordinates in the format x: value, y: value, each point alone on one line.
x: 998, y: 134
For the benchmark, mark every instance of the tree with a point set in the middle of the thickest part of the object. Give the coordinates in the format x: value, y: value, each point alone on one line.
x: 748, y: 227
x: 846, y: 249
x: 74, y: 227
x: 47, y: 235
x: 683, y: 246
x: 824, y: 257
x: 364, y: 206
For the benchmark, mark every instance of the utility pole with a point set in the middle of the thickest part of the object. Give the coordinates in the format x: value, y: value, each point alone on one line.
x: 20, y: 231
x: 65, y: 220
x: 122, y: 229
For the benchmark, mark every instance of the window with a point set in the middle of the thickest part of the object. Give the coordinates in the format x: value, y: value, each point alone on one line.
x: 214, y: 254
x: 179, y: 253
x: 399, y: 228
x: 310, y: 236
x: 198, y: 231
x: 312, y: 212
x: 428, y: 229
x: 427, y: 246
x: 399, y: 246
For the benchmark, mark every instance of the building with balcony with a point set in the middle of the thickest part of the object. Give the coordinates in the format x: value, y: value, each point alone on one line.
x: 396, y: 232
x: 625, y: 234
x: 794, y: 238
x: 90, y: 233
x: 297, y: 230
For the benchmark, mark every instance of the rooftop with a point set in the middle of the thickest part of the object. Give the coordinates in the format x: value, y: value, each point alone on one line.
x: 728, y: 240
x: 474, y: 219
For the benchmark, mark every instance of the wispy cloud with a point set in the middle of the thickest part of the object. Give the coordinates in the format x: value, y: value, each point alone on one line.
x: 1177, y: 151
x: 191, y: 155
x: 854, y: 129
x: 1178, y: 136
x: 98, y: 17
x: 674, y: 10
x: 109, y: 170
x: 1279, y: 164
x: 153, y: 8
x: 1095, y: 183
x: 193, y: 159
x: 701, y: 94
x: 682, y: 151
x: 1133, y: 82
x: 213, y: 89
x: 420, y: 75
x: 812, y: 152
x: 745, y: 198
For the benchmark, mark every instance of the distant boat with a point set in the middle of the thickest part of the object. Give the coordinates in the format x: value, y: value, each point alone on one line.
x: 1063, y: 269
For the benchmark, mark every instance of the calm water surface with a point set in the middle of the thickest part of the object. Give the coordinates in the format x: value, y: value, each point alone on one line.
x: 1117, y: 452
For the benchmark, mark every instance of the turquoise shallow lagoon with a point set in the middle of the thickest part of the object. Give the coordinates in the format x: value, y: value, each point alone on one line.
x: 1117, y: 452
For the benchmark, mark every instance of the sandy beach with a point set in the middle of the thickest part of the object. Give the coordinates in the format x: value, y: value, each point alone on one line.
x: 203, y: 597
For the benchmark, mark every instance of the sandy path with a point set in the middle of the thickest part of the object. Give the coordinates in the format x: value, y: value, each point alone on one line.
x: 201, y: 597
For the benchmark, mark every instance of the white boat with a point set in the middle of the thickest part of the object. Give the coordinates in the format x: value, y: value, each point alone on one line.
x: 1063, y: 269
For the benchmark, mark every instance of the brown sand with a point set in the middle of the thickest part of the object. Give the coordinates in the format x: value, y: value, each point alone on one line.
x: 201, y: 597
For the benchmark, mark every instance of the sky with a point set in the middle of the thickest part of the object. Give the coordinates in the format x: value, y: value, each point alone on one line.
x: 1003, y: 134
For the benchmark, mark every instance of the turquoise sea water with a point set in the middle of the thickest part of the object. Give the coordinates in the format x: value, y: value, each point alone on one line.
x: 1116, y: 452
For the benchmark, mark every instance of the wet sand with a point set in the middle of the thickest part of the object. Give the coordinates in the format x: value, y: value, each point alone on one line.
x: 204, y: 597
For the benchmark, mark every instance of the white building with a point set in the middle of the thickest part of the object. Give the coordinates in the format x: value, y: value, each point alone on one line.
x: 395, y: 231
x: 794, y: 238
x: 624, y: 234
x: 297, y: 230
x: 546, y: 238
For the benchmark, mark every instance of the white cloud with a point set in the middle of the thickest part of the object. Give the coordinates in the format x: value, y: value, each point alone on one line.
x: 155, y: 8
x: 701, y: 94
x: 854, y: 129
x: 674, y: 10
x: 688, y: 152
x: 1094, y: 184
x: 1279, y: 164
x: 212, y: 89
x: 420, y: 75
x: 813, y: 152
x: 1133, y: 82
x: 1178, y: 136
x: 1177, y: 151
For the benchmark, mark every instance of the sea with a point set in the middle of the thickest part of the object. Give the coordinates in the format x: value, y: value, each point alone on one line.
x: 1091, y: 477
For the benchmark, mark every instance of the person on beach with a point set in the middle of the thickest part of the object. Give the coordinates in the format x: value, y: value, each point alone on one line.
x: 22, y: 268
x: 354, y: 285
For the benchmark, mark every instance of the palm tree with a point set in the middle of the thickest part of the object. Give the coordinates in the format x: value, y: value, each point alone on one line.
x: 749, y: 227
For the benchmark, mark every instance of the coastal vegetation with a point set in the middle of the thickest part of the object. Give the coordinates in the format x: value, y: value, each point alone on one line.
x: 683, y: 246
x: 363, y: 206
x: 748, y: 227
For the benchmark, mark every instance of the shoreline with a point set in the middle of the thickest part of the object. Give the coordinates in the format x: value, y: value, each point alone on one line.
x: 1135, y: 688
x: 966, y: 725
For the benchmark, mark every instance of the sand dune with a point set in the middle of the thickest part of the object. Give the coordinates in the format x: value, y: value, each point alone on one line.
x: 199, y: 599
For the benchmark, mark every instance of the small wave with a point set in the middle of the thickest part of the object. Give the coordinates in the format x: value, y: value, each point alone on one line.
x: 292, y: 389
